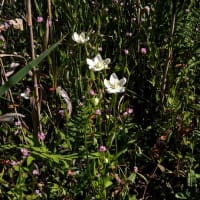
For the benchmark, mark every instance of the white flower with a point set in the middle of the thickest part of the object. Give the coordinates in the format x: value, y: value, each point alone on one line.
x: 80, y: 38
x: 97, y: 63
x: 114, y: 85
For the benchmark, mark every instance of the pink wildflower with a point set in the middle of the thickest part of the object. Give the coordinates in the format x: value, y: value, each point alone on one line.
x: 125, y: 114
x: 135, y: 169
x: 98, y: 112
x: 38, y: 193
x: 61, y: 112
x: 102, y: 148
x: 24, y: 152
x: 35, y: 172
x: 100, y: 49
x: 130, y: 110
x: 143, y: 50
x: 80, y: 104
x: 92, y: 92
x: 41, y: 136
x: 18, y: 123
x: 126, y: 51
x: 40, y: 19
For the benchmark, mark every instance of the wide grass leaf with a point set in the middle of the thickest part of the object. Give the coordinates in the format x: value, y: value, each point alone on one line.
x: 24, y: 71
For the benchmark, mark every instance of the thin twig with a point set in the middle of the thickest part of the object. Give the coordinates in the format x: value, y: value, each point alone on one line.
x: 36, y: 101
x: 48, y: 28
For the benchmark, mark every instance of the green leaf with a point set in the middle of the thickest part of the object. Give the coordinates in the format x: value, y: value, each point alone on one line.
x: 161, y: 167
x: 143, y: 177
x: 191, y: 179
x: 107, y: 182
x: 133, y: 197
x: 132, y: 177
x: 29, y: 160
x: 196, y: 107
x: 180, y: 196
x: 24, y: 71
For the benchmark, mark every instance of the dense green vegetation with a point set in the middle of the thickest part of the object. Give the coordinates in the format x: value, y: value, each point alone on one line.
x: 100, y: 99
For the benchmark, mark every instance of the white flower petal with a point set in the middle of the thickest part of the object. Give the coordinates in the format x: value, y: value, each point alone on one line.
x: 90, y: 62
x: 80, y: 38
x: 83, y: 37
x: 97, y: 58
x: 122, y: 89
x: 92, y: 68
x: 107, y: 83
x: 110, y: 90
x: 75, y: 36
x: 114, y: 79
x: 122, y: 82
x: 107, y: 61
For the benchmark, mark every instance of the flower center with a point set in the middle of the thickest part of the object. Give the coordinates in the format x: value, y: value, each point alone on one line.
x: 115, y: 85
x: 100, y: 65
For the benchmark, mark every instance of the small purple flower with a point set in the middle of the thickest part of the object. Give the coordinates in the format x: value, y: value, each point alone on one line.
x: 100, y: 49
x: 28, y: 90
x: 14, y: 163
x: 18, y: 123
x: 125, y: 114
x: 7, y: 25
x: 92, y: 92
x: 26, y: 93
x: 40, y: 19
x: 126, y: 51
x: 130, y: 110
x: 80, y: 104
x: 98, y: 112
x: 102, y: 148
x: 41, y: 136
x: 61, y: 112
x: 135, y: 169
x: 38, y: 192
x: 2, y: 38
x: 24, y: 152
x: 98, y: 175
x: 35, y: 172
x: 143, y: 50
